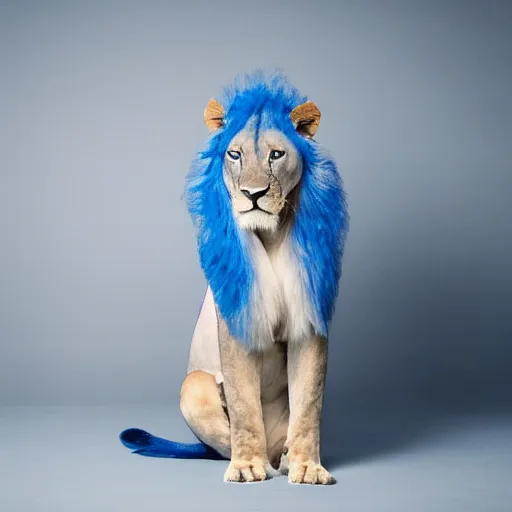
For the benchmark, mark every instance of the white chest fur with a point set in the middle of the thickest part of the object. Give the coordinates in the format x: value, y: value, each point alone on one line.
x: 280, y: 305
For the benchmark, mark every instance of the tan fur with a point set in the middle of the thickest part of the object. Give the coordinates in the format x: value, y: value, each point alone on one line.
x: 263, y: 411
x: 202, y: 408
x: 242, y: 384
x: 307, y: 367
x: 306, y: 118
x: 213, y: 115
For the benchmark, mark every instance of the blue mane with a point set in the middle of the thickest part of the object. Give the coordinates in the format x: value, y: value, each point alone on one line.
x: 320, y: 224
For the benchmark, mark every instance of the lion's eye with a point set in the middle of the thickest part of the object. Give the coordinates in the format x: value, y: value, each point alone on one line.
x: 276, y: 154
x: 234, y: 155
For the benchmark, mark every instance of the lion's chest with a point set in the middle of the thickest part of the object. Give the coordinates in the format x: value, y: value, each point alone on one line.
x: 281, y: 299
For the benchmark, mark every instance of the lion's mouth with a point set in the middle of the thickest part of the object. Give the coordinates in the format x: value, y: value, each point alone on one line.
x: 256, y: 208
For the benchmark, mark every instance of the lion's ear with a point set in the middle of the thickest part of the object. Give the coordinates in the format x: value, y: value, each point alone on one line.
x: 306, y: 118
x: 214, y: 115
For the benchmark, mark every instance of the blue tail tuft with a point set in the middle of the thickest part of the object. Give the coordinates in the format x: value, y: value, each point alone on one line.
x: 144, y: 443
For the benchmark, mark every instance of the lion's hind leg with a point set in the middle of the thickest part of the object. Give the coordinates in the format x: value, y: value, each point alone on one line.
x: 202, y: 407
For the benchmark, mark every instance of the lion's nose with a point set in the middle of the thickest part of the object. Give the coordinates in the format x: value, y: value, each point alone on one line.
x: 254, y: 193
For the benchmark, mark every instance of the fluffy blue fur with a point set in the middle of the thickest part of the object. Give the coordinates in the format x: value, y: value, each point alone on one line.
x: 144, y: 443
x: 320, y: 223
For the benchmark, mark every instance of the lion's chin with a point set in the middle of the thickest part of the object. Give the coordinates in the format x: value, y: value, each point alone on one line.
x: 256, y: 220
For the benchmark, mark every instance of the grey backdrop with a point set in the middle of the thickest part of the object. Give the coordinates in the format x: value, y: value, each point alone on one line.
x: 100, y: 114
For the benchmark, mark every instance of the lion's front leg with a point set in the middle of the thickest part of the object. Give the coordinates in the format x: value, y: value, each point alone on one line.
x: 307, y: 366
x: 242, y: 370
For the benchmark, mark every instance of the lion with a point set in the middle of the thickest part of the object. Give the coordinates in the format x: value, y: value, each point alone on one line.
x: 270, y: 214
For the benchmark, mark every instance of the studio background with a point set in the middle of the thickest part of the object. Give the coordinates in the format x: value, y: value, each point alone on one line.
x: 100, y: 115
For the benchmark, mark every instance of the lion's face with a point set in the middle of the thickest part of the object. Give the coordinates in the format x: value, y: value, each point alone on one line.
x: 260, y: 174
x: 261, y: 166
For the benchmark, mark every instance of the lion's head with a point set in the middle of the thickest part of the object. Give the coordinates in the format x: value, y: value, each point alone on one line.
x: 261, y: 165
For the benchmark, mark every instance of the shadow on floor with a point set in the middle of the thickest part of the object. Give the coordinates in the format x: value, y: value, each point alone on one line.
x: 350, y: 437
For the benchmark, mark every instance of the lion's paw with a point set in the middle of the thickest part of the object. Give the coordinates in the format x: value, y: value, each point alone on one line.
x: 309, y: 472
x: 254, y: 470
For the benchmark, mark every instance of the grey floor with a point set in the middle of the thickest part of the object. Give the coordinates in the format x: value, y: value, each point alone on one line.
x: 69, y: 459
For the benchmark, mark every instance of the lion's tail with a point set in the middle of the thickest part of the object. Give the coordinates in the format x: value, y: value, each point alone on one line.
x: 144, y: 443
